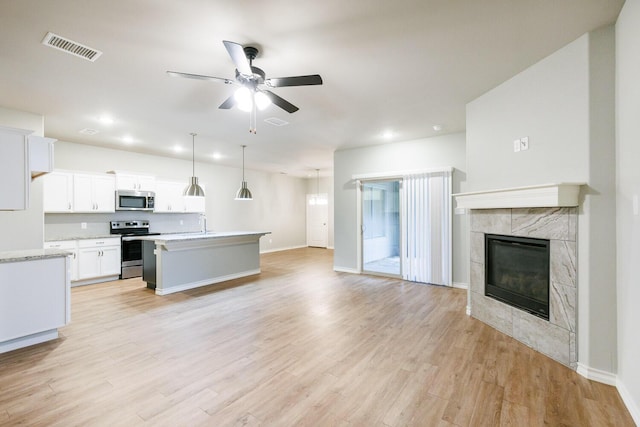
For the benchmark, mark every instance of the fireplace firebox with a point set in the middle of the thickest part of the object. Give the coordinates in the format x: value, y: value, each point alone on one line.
x: 517, y: 272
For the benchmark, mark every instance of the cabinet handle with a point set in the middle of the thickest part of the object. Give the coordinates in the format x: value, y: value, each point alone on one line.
x: 74, y: 255
x: 69, y: 204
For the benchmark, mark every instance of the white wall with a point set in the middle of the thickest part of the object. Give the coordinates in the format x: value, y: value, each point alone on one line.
x: 23, y: 229
x: 441, y: 151
x: 565, y: 105
x: 628, y: 187
x: 325, y: 185
x: 278, y: 203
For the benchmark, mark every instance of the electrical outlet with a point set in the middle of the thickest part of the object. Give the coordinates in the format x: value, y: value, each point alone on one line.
x: 83, y: 225
x: 524, y: 143
x: 516, y: 145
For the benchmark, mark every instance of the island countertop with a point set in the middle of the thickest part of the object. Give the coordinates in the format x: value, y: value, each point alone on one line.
x: 177, y: 237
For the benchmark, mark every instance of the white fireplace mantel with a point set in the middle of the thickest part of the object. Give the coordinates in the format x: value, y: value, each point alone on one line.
x: 535, y: 196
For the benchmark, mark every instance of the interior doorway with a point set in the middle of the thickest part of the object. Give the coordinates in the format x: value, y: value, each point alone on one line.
x: 317, y: 220
x: 381, y: 231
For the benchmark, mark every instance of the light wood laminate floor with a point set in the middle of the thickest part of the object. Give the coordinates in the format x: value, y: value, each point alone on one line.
x: 297, y: 345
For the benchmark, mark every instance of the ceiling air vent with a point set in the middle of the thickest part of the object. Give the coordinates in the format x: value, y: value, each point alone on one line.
x: 276, y: 121
x: 57, y: 42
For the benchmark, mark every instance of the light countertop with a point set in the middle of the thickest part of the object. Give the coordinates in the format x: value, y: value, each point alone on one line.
x: 31, y: 254
x: 174, y: 237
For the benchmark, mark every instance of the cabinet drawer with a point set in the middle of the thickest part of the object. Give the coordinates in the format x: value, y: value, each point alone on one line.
x: 93, y: 243
x: 60, y: 244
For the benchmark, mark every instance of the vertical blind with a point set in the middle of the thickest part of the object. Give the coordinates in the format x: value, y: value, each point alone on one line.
x: 426, y: 228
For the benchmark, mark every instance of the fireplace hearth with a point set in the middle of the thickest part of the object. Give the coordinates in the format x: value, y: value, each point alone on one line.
x: 517, y: 272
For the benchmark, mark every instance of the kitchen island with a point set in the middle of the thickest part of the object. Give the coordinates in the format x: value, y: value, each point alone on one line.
x: 177, y: 262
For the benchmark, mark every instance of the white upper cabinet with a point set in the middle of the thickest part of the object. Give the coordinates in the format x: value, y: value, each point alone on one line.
x: 170, y: 199
x: 58, y: 192
x: 79, y: 192
x: 40, y: 155
x: 22, y: 157
x: 130, y: 181
x: 93, y: 193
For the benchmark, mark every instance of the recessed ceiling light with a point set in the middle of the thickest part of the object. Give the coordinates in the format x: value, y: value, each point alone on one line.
x: 388, y: 134
x: 177, y: 148
x: 127, y: 139
x: 437, y: 127
x: 105, y: 120
x: 216, y: 156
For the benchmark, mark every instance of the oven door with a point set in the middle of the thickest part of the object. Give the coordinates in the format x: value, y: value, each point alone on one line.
x: 131, y: 251
x: 131, y: 257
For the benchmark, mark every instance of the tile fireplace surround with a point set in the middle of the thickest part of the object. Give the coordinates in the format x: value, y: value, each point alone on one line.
x: 556, y: 337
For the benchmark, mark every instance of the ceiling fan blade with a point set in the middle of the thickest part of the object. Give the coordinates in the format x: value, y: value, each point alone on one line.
x: 228, y: 103
x: 236, y: 51
x: 313, y: 79
x: 199, y: 77
x: 282, y: 103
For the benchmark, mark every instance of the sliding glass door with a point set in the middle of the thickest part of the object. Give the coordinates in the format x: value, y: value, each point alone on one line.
x: 381, y: 227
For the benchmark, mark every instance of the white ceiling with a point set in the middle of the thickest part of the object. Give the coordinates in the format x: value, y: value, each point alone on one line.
x: 403, y: 65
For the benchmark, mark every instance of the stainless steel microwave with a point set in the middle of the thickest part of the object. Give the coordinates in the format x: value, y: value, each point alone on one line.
x: 131, y: 200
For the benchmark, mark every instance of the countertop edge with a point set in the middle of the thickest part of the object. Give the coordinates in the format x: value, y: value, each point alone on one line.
x: 31, y: 254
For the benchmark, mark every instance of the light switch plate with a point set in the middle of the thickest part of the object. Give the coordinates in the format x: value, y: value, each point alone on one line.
x: 524, y: 143
x: 83, y: 225
x: 516, y: 145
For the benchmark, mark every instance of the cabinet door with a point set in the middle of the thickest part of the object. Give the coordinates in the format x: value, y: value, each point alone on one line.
x: 104, y: 193
x: 126, y: 182
x: 194, y: 204
x: 89, y: 263
x: 14, y: 170
x: 82, y: 193
x: 74, y: 265
x: 58, y: 192
x: 110, y: 261
x: 146, y: 183
x: 163, y: 197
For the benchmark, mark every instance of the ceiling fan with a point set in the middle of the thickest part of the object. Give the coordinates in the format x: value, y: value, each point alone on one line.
x: 251, y: 80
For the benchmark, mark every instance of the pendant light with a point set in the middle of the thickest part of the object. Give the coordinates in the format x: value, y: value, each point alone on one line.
x: 243, y: 193
x: 193, y: 189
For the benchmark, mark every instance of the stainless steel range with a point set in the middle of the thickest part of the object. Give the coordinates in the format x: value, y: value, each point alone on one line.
x: 131, y: 246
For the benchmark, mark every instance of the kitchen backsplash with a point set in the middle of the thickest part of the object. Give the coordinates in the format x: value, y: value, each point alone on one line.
x: 65, y: 225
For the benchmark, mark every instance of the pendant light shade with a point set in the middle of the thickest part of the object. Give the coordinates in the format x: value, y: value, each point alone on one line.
x: 243, y: 193
x: 193, y: 189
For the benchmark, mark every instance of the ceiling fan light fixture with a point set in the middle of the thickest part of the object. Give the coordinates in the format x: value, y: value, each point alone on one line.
x: 262, y: 101
x: 243, y: 99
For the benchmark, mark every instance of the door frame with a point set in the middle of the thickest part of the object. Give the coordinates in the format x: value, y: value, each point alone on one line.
x: 359, y: 220
x: 326, y: 197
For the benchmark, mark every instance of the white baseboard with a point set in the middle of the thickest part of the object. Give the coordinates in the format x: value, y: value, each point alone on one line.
x: 632, y: 406
x: 460, y: 285
x: 599, y: 375
x: 288, y: 248
x: 346, y: 270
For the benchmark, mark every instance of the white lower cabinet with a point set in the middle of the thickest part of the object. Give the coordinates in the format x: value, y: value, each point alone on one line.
x: 98, y: 258
x: 92, y: 260
x: 69, y: 246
